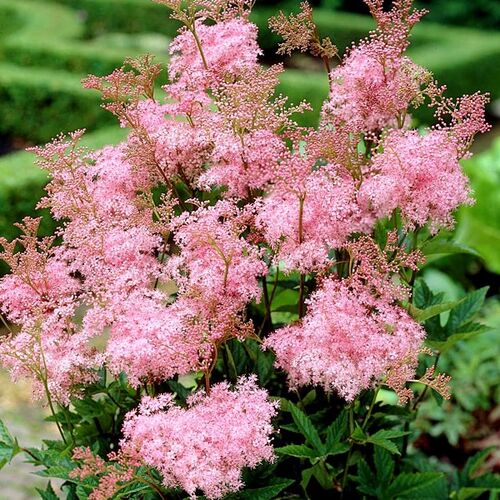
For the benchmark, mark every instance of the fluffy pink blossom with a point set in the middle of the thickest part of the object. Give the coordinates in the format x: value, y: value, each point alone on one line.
x: 190, y: 70
x: 215, y: 258
x: 348, y: 339
x: 206, y: 445
x: 421, y: 175
x: 304, y: 218
x: 369, y: 92
x: 244, y: 165
x: 179, y: 148
x: 150, y: 341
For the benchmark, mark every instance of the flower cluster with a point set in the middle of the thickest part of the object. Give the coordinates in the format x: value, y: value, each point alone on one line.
x: 222, y: 433
x: 354, y: 331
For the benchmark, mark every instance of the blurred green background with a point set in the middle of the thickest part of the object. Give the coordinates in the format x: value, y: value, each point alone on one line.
x: 47, y: 47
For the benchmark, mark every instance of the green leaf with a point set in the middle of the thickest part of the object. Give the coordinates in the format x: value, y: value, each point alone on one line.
x: 297, y: 450
x: 444, y: 341
x: 307, y: 474
x: 336, y: 431
x: 384, y: 465
x: 383, y: 439
x: 136, y: 487
x: 5, y: 436
x: 8, y: 446
x: 407, y: 484
x: 422, y: 315
x: 264, y: 493
x: 48, y: 494
x: 323, y: 475
x: 474, y: 463
x: 440, y: 246
x: 467, y: 308
x: 338, y: 449
x: 308, y: 398
x: 365, y: 478
x: 423, y: 296
x: 359, y: 435
x: 306, y: 428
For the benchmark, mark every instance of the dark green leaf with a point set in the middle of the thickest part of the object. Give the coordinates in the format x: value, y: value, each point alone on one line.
x: 48, y: 494
x: 365, y: 477
x: 474, y: 463
x: 336, y: 431
x: 359, y: 435
x: 383, y: 439
x: 467, y: 308
x: 407, y: 485
x: 422, y: 315
x: 423, y: 296
x: 384, y: 465
x: 297, y: 450
x: 264, y: 493
x: 440, y: 246
x: 306, y: 428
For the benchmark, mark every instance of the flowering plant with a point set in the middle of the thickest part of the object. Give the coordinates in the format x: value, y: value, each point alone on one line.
x: 231, y: 306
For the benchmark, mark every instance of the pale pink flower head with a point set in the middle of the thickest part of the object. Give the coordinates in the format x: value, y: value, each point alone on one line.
x: 370, y: 91
x: 346, y: 341
x: 206, y: 445
x: 419, y: 174
x: 150, y: 341
x: 243, y: 166
x: 304, y: 218
x: 191, y: 71
x: 215, y: 257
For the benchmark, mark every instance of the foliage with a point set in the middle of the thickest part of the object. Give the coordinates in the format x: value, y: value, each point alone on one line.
x: 479, y: 225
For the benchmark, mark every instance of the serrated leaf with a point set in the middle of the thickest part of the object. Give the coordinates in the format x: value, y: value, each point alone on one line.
x: 407, y: 484
x: 5, y: 436
x: 439, y: 246
x: 389, y: 434
x: 297, y: 450
x: 323, y: 476
x: 384, y: 465
x: 8, y: 446
x: 306, y: 428
x: 264, y: 493
x: 306, y: 477
x: 466, y: 309
x: 422, y: 315
x: 57, y: 471
x: 473, y: 463
x: 127, y: 491
x: 358, y: 434
x: 290, y: 428
x: 48, y: 494
x: 384, y: 443
x: 423, y: 296
x: 336, y: 431
x: 467, y: 331
x: 365, y: 477
x: 308, y: 398
x: 383, y: 439
x: 338, y: 449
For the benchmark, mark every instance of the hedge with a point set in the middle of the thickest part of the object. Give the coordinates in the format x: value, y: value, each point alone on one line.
x: 74, y: 57
x: 36, y: 40
x: 128, y: 16
x: 22, y: 183
x: 37, y: 104
x: 37, y: 20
